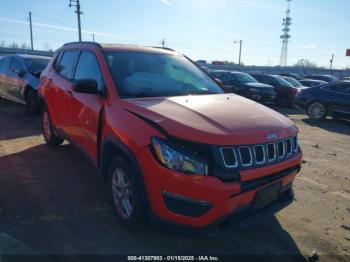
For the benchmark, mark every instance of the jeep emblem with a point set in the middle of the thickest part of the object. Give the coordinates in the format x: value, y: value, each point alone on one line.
x: 271, y: 137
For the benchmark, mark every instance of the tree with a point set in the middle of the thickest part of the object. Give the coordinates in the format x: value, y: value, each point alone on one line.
x: 24, y: 46
x: 13, y: 45
x: 46, y: 46
x: 305, y: 63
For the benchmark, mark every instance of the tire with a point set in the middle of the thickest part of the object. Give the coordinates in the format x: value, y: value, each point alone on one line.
x: 49, y: 130
x: 127, y: 194
x: 316, y: 110
x: 32, y: 101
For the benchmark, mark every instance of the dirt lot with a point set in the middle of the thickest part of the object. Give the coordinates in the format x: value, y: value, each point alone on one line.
x: 52, y: 200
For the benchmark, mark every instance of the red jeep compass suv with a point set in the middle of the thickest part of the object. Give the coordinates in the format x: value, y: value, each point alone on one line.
x: 166, y: 137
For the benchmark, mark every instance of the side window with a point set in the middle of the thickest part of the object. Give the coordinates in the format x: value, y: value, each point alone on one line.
x: 67, y: 63
x: 258, y: 78
x: 88, y: 68
x: 16, y: 65
x: 224, y: 77
x: 57, y: 61
x: 1, y: 63
x: 6, y: 64
x: 233, y: 79
x: 269, y: 80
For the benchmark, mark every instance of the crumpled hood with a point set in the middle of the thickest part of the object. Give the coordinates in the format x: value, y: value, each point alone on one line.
x: 223, y: 119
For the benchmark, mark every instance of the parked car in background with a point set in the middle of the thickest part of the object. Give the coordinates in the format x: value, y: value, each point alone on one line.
x: 245, y: 85
x: 171, y: 144
x: 326, y: 78
x: 294, y: 82
x: 19, y: 78
x: 285, y: 91
x: 295, y: 76
x: 206, y: 69
x: 327, y: 100
x: 312, y: 83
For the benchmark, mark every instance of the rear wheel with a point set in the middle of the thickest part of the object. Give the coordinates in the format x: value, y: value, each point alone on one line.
x: 316, y: 111
x: 48, y: 129
x: 126, y: 194
x: 32, y: 100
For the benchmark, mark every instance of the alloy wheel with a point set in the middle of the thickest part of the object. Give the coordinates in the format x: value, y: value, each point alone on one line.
x: 122, y: 193
x: 316, y: 111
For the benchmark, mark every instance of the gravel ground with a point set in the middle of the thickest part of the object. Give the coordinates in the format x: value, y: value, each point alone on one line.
x: 52, y: 200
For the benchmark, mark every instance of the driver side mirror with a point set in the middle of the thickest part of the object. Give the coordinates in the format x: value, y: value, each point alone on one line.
x: 19, y: 72
x: 86, y: 86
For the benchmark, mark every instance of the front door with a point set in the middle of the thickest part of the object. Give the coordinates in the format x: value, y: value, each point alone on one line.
x: 87, y: 107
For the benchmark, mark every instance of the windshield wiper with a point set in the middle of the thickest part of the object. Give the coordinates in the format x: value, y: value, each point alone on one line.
x: 201, y: 93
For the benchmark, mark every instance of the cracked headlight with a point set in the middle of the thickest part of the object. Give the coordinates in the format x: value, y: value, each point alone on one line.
x: 177, y: 158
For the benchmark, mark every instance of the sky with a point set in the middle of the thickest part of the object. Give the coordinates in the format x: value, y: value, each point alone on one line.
x: 201, y: 29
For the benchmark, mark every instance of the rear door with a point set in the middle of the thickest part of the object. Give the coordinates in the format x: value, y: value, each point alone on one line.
x: 87, y: 107
x: 2, y: 62
x: 5, y: 81
x: 338, y: 96
x: 17, y: 82
x: 59, y: 91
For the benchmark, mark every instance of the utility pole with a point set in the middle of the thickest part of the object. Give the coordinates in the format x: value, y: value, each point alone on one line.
x: 331, y: 63
x: 31, y: 31
x: 93, y: 37
x: 163, y: 43
x: 287, y: 22
x: 240, y: 51
x: 76, y: 3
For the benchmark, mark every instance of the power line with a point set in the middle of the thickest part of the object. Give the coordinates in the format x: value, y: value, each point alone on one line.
x: 31, y: 31
x: 287, y: 22
x: 240, y: 51
x: 163, y: 42
x: 76, y: 3
x: 331, y: 63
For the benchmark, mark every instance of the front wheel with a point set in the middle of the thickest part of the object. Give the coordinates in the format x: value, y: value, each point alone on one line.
x: 127, y: 195
x: 48, y: 129
x: 316, y: 111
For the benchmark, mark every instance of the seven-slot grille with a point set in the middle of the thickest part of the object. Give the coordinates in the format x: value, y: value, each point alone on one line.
x: 260, y: 154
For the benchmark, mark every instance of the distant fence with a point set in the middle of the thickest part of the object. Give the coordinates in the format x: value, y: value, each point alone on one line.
x: 279, y: 70
x: 7, y: 51
x: 247, y: 69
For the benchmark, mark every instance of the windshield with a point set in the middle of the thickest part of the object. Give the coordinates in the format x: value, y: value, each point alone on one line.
x: 283, y: 82
x: 139, y: 74
x: 36, y: 64
x: 331, y: 78
x: 245, y: 78
x: 294, y: 82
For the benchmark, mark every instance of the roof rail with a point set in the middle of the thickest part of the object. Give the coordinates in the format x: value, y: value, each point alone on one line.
x: 84, y: 42
x: 165, y: 48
